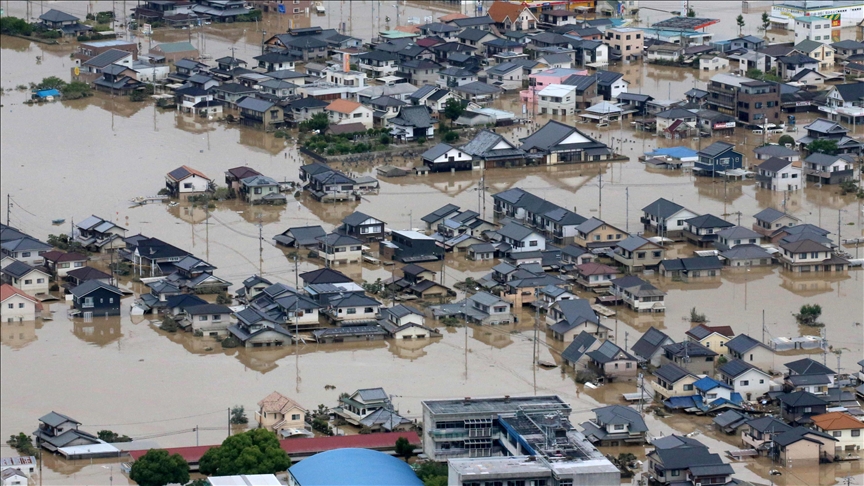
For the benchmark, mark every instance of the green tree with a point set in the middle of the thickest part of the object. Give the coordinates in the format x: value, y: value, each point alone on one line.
x: 432, y: 473
x: 238, y: 415
x: 765, y: 20
x: 784, y: 139
x: 51, y: 82
x: 319, y: 121
x: 404, y: 448
x: 384, y: 139
x: 199, y: 482
x: 822, y: 147
x: 254, y: 452
x: 809, y: 315
x: 75, y: 90
x: 740, y: 21
x: 697, y: 317
x: 158, y: 468
x: 112, y: 437
x: 15, y: 26
x: 453, y: 109
x: 691, y: 12
x: 754, y: 73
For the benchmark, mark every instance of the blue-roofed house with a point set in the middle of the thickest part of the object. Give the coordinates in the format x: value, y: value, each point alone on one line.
x: 718, y: 157
x: 259, y: 189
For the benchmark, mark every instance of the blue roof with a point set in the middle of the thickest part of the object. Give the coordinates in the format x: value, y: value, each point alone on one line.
x: 708, y: 383
x: 674, y: 152
x: 43, y: 93
x: 354, y: 467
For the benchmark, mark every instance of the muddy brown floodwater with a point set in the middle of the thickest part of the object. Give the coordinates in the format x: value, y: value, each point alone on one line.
x: 69, y: 160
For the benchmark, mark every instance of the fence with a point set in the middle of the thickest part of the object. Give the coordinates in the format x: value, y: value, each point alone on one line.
x: 313, y: 155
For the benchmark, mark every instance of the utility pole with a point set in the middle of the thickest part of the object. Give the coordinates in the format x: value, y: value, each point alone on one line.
x: 627, y: 210
x: 600, y: 195
x: 626, y: 336
x: 260, y: 248
x: 229, y: 421
x: 8, y: 207
x: 763, y: 326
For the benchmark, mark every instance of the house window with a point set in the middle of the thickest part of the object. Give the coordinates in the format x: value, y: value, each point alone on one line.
x: 807, y: 409
x: 295, y: 416
x: 202, y: 318
x: 351, y: 311
x: 744, y: 382
x: 25, y: 254
x: 837, y: 433
x: 28, y: 282
x: 856, y: 433
x: 688, y: 387
x: 640, y: 255
x: 368, y: 310
x: 532, y: 243
x: 187, y: 185
x: 619, y: 426
x: 40, y: 280
x: 656, y: 254
x: 20, y: 305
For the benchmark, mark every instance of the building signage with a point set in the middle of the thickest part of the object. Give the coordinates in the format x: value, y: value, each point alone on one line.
x: 721, y: 126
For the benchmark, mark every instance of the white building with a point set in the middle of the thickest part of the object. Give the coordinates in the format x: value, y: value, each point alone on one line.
x: 744, y: 378
x: 17, y: 305
x: 26, y: 278
x: 24, y: 464
x: 812, y: 27
x: 849, y: 13
x: 342, y: 112
x: 557, y: 99
x: 780, y: 175
x: 521, y: 238
x: 715, y: 63
x: 186, y: 180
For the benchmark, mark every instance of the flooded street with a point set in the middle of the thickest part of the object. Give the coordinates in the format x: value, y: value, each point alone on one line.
x: 73, y: 159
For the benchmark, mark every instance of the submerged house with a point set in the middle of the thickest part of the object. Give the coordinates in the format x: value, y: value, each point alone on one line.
x: 558, y: 143
x: 98, y: 234
x: 186, y: 181
x: 96, y: 298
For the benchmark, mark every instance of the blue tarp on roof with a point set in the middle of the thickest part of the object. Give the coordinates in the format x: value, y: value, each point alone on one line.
x: 674, y: 152
x: 681, y: 402
x: 44, y: 93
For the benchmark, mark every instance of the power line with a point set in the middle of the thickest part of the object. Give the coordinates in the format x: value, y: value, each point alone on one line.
x: 158, y: 421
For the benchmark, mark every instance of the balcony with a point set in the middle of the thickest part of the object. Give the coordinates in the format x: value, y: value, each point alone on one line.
x: 441, y: 434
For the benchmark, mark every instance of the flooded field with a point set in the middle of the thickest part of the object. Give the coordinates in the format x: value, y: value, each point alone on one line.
x: 73, y: 159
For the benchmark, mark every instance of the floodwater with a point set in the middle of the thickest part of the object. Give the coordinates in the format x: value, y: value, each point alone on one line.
x: 91, y: 156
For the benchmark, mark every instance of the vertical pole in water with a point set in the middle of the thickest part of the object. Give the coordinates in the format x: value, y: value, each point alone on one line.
x: 260, y: 249
x: 196, y: 436
x: 229, y: 421
x: 600, y: 195
x: 8, y: 207
x: 627, y: 210
x: 763, y: 326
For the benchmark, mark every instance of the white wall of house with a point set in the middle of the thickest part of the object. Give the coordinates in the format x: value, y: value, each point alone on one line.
x: 17, y: 308
x: 361, y: 114
x: 456, y: 154
x: 532, y: 242
x: 30, y: 257
x: 412, y: 332
x: 786, y: 179
x: 357, y: 313
x: 751, y: 384
x: 32, y: 283
x: 193, y: 183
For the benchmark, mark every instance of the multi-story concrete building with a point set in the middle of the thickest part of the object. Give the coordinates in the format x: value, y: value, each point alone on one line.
x: 502, y: 439
x: 750, y: 101
x: 625, y: 42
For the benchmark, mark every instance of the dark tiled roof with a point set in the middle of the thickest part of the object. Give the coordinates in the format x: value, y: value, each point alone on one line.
x: 578, y: 347
x: 808, y: 366
x: 662, y: 208
x: 671, y: 372
x: 648, y: 344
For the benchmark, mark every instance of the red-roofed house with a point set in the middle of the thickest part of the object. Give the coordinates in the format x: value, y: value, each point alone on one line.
x: 512, y: 16
x: 344, y: 111
x: 187, y: 181
x: 16, y: 305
